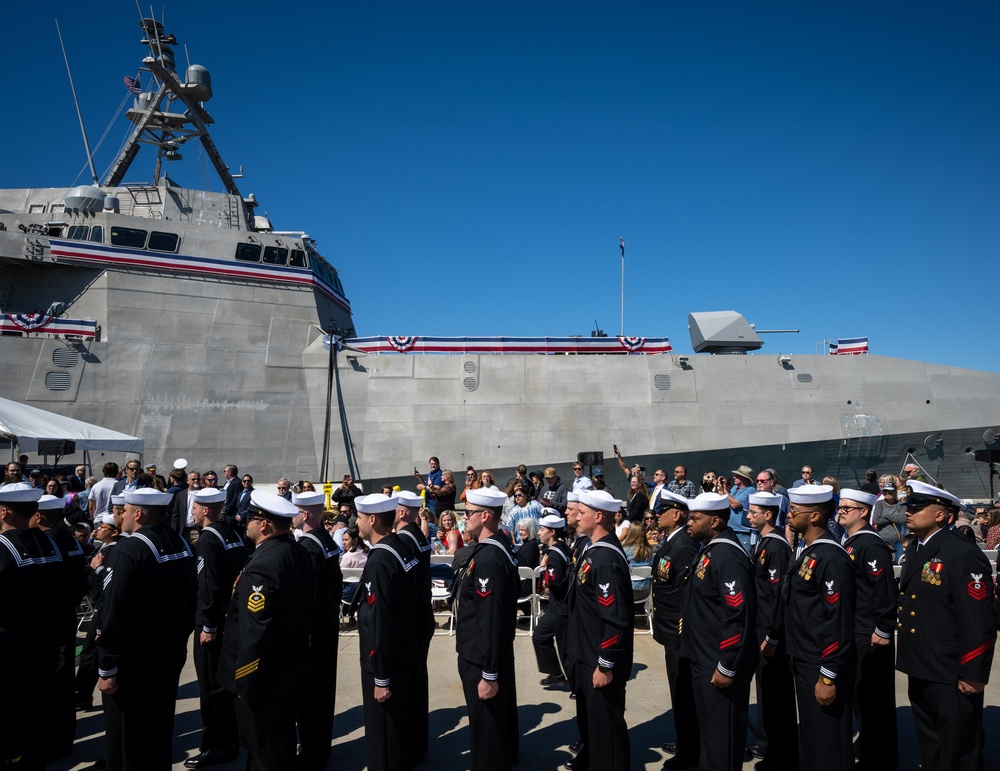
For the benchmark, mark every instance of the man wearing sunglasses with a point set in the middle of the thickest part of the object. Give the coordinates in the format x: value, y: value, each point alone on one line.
x: 947, y: 631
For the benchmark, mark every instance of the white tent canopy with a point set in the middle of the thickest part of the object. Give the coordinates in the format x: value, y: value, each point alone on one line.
x: 27, y: 426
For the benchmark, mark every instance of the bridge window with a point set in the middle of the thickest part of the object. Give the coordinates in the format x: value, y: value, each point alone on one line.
x: 97, y: 234
x: 163, y: 242
x: 248, y: 252
x: 298, y: 259
x: 78, y: 233
x: 274, y: 255
x: 132, y: 237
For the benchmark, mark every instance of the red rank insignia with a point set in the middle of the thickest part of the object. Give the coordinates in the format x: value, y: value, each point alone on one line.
x: 977, y: 589
x: 874, y: 570
x: 734, y: 598
x: 605, y: 599
x: 831, y: 596
x: 371, y: 595
x: 484, y: 587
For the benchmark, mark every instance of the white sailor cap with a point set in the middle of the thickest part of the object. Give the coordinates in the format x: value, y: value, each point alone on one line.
x: 20, y: 492
x: 765, y: 499
x: 50, y: 503
x: 672, y: 500
x: 810, y: 494
x: 376, y: 503
x: 180, y: 463
x: 117, y: 500
x: 409, y: 499
x: 313, y: 498
x: 709, y: 502
x: 923, y: 493
x: 552, y: 519
x: 105, y: 519
x: 147, y: 496
x: 601, y: 500
x: 273, y: 504
x: 486, y: 496
x: 209, y: 495
x: 865, y: 499
x: 572, y: 498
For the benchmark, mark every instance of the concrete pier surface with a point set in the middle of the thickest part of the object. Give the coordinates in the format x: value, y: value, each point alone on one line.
x: 546, y: 715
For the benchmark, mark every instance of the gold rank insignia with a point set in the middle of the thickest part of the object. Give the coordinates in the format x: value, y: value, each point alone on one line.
x: 581, y: 574
x: 702, y: 566
x: 931, y: 574
x: 256, y: 602
x: 808, y: 565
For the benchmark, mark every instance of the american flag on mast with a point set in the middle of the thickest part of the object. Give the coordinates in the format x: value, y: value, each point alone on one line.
x: 132, y: 84
x: 849, y: 346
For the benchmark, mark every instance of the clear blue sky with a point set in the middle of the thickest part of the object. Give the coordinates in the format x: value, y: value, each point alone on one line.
x: 470, y: 166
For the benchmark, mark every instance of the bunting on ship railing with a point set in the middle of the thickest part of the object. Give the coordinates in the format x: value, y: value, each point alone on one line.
x: 40, y: 324
x: 849, y: 346
x: 581, y: 345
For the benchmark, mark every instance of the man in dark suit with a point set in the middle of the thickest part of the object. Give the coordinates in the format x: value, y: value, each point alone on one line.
x: 181, y: 514
x: 946, y: 631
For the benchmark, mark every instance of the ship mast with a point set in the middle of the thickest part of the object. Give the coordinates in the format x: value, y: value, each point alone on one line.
x: 168, y: 129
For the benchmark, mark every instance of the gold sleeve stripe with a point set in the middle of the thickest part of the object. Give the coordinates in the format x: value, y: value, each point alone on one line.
x: 247, y: 669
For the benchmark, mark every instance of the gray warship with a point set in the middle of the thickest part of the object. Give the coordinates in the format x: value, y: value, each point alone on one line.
x: 184, y: 317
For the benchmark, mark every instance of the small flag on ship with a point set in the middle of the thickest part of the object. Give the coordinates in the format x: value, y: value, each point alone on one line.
x: 132, y: 84
x: 849, y: 346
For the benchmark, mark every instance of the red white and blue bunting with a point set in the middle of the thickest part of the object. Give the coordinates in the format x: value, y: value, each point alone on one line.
x: 40, y: 324
x: 544, y: 345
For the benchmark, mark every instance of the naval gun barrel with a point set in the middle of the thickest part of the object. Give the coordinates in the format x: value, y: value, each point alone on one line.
x: 774, y: 331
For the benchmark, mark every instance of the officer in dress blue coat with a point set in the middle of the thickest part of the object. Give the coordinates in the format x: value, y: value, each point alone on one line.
x: 946, y: 632
x: 875, y: 684
x: 777, y: 738
x: 717, y: 632
x: 221, y: 556
x: 671, y: 564
x: 148, y: 615
x: 387, y: 618
x: 817, y: 627
x: 266, y: 648
x: 487, y: 611
x: 599, y: 642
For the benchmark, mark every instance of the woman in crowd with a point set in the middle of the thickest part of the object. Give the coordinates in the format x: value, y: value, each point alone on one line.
x: 306, y: 487
x: 638, y: 500
x: 621, y: 524
x: 649, y: 524
x: 521, y: 510
x: 471, y: 482
x: 448, y: 537
x: 639, y: 553
x: 992, y: 518
x: 537, y: 481
x: 486, y: 479
x: 528, y: 553
x: 355, y: 550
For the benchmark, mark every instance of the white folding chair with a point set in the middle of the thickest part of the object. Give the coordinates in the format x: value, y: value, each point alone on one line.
x: 529, y: 599
x: 644, y: 605
x: 351, y: 576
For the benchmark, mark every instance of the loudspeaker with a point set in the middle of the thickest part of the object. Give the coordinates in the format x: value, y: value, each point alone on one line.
x: 56, y: 447
x: 593, y: 458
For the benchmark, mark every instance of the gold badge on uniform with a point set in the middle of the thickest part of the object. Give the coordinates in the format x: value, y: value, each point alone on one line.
x: 255, y: 603
x: 808, y: 565
x: 702, y: 566
x: 931, y: 574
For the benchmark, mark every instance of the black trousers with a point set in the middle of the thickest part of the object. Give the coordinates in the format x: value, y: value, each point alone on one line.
x: 267, y: 732
x: 317, y: 705
x: 827, y: 732
x: 388, y: 744
x: 139, y: 718
x: 548, y: 639
x: 875, y: 705
x: 218, y: 716
x: 86, y: 672
x: 777, y: 737
x: 605, y: 734
x: 493, y: 729
x: 418, y: 695
x: 722, y: 714
x: 686, y: 729
x: 949, y: 726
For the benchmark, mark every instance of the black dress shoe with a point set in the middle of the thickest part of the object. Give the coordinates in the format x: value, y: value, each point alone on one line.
x: 677, y: 762
x: 670, y: 749
x: 755, y: 752
x: 576, y: 765
x: 575, y: 747
x: 213, y: 757
x: 553, y: 680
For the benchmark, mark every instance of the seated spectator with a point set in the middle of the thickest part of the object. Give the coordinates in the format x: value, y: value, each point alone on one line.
x: 449, y: 540
x: 621, y: 524
x: 967, y: 531
x: 521, y: 510
x: 528, y: 553
x: 993, y: 531
x: 649, y: 524
x: 486, y: 479
x: 639, y: 554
